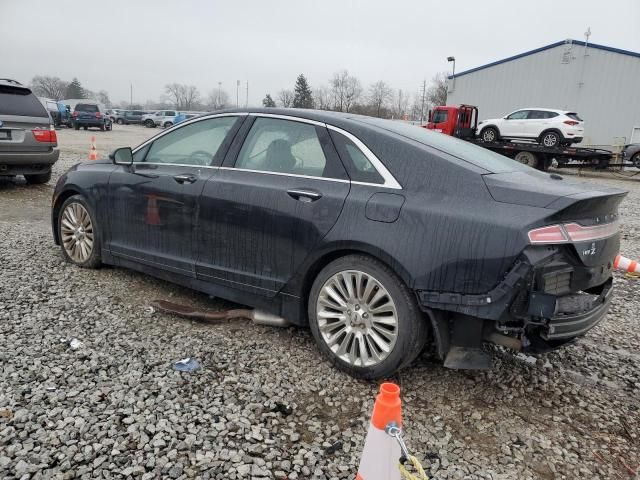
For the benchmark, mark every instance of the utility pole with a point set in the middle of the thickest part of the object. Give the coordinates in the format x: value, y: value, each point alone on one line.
x: 219, y: 95
x: 424, y: 94
x: 131, y: 95
x: 237, y: 93
x: 246, y: 102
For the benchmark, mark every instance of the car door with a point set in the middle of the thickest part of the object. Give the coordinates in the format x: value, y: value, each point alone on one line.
x: 280, y: 190
x: 537, y: 122
x: 514, y: 125
x: 153, y: 202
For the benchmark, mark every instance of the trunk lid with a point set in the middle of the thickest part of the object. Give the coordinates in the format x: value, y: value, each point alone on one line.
x: 20, y: 113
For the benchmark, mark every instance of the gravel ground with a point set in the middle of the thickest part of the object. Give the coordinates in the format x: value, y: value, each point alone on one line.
x: 263, y: 404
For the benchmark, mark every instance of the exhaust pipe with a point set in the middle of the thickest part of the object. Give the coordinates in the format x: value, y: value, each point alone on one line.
x: 200, y: 314
x: 504, y: 340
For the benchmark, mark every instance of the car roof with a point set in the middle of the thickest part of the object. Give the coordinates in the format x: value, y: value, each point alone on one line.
x: 556, y: 110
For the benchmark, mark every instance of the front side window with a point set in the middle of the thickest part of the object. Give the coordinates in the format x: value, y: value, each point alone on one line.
x: 194, y: 144
x: 283, y: 146
x: 170, y: 113
x: 520, y: 115
x: 440, y: 116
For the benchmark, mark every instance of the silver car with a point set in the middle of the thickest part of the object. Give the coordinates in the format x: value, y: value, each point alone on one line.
x: 28, y: 141
x: 631, y: 153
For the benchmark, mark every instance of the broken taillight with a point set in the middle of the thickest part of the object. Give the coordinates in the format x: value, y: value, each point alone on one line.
x: 572, y: 232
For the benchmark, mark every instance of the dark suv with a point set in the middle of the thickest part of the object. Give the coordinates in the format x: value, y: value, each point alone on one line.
x: 28, y: 141
x: 87, y: 115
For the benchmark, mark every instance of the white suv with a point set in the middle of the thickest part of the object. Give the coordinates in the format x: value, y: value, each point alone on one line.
x: 549, y: 127
x: 162, y: 118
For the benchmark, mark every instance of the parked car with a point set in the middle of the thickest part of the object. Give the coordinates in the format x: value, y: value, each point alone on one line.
x: 113, y: 113
x: 181, y: 117
x: 57, y: 111
x: 548, y: 127
x: 89, y: 114
x: 129, y: 117
x: 631, y: 153
x: 157, y: 119
x: 28, y: 140
x: 381, y: 236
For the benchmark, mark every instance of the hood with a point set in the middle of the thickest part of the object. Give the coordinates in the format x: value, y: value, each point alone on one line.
x: 538, y: 189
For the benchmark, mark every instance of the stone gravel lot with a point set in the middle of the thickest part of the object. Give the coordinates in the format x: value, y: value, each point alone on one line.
x: 264, y: 405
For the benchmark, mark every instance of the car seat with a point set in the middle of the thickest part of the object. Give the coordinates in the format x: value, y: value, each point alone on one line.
x: 279, y: 157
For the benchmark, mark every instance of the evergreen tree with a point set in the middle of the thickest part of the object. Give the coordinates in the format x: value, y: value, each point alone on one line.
x: 75, y: 90
x: 268, y: 102
x: 302, y: 94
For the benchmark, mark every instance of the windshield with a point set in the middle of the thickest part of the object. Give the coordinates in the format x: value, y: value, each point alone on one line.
x: 461, y: 149
x: 440, y: 116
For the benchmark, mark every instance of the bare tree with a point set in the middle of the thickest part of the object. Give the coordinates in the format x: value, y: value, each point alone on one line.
x: 379, y: 95
x: 401, y: 104
x: 286, y: 98
x: 345, y: 90
x: 175, y: 92
x: 218, y: 99
x: 49, y: 87
x: 103, y: 97
x: 322, y: 98
x: 191, y: 97
x: 437, y: 91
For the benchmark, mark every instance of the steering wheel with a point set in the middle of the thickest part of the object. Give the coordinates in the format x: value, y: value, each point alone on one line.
x: 200, y: 157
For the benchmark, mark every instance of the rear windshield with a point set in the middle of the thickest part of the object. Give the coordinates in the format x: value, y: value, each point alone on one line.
x: 573, y: 116
x: 20, y: 101
x: 87, y: 107
x: 478, y: 156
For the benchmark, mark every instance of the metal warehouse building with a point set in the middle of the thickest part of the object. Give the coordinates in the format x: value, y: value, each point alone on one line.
x: 601, y: 84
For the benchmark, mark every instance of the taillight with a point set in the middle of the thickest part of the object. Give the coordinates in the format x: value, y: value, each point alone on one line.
x: 571, y: 122
x: 98, y: 115
x: 74, y: 114
x: 572, y: 232
x: 48, y: 136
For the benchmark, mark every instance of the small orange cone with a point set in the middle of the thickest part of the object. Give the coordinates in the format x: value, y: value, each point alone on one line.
x: 381, y: 451
x: 152, y: 213
x: 93, y: 153
x: 626, y: 264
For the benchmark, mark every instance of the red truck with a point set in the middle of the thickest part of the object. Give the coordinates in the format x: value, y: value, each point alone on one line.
x: 461, y: 121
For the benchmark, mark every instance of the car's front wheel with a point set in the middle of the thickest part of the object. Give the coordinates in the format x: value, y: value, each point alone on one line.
x: 364, y: 318
x: 78, y: 233
x: 168, y: 124
x: 490, y: 134
x: 120, y: 121
x: 636, y: 160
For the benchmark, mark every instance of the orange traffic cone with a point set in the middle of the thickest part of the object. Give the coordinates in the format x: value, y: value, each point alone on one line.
x: 152, y: 213
x: 626, y: 264
x: 93, y: 153
x: 381, y: 451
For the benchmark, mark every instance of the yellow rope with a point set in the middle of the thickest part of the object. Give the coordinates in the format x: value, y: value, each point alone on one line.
x: 420, y: 475
x: 632, y: 275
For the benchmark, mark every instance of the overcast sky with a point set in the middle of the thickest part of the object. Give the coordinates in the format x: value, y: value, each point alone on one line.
x: 110, y: 44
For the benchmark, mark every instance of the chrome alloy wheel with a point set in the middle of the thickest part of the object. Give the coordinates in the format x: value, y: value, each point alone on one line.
x: 550, y: 140
x: 357, y: 318
x: 76, y: 231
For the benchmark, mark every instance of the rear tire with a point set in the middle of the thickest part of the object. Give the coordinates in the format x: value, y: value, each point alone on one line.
x: 490, y: 134
x: 76, y: 213
x: 102, y: 128
x: 636, y: 160
x: 364, y: 319
x: 550, y: 139
x: 38, y: 178
x: 527, y: 158
x: 76, y: 127
x: 120, y: 121
x: 86, y: 128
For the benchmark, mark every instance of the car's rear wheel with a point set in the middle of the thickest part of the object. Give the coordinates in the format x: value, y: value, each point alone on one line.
x: 527, y: 158
x: 78, y: 233
x: 636, y: 160
x: 490, y: 134
x: 102, y: 127
x: 168, y: 124
x: 550, y: 139
x: 364, y: 318
x: 86, y: 128
x: 120, y: 121
x: 38, y: 178
x: 76, y: 126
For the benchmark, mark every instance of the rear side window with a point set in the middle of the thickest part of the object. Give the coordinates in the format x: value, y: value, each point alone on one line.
x: 170, y: 113
x: 574, y: 116
x: 283, y: 146
x: 20, y: 101
x: 358, y: 166
x: 87, y: 107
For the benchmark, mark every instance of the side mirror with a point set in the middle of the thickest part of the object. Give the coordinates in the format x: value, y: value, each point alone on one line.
x: 122, y: 156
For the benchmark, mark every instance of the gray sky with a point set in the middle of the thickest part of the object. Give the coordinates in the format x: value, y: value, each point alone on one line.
x: 149, y: 43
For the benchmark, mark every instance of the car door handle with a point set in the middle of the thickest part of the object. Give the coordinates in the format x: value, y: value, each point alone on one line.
x: 185, y: 178
x: 304, y: 195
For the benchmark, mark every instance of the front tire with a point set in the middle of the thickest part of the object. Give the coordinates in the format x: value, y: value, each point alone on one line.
x: 120, y: 121
x: 636, y: 160
x: 364, y: 318
x: 168, y: 124
x: 38, y: 178
x: 78, y: 233
x: 490, y: 134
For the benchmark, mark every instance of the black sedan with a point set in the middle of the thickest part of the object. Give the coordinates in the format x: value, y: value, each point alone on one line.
x: 381, y: 236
